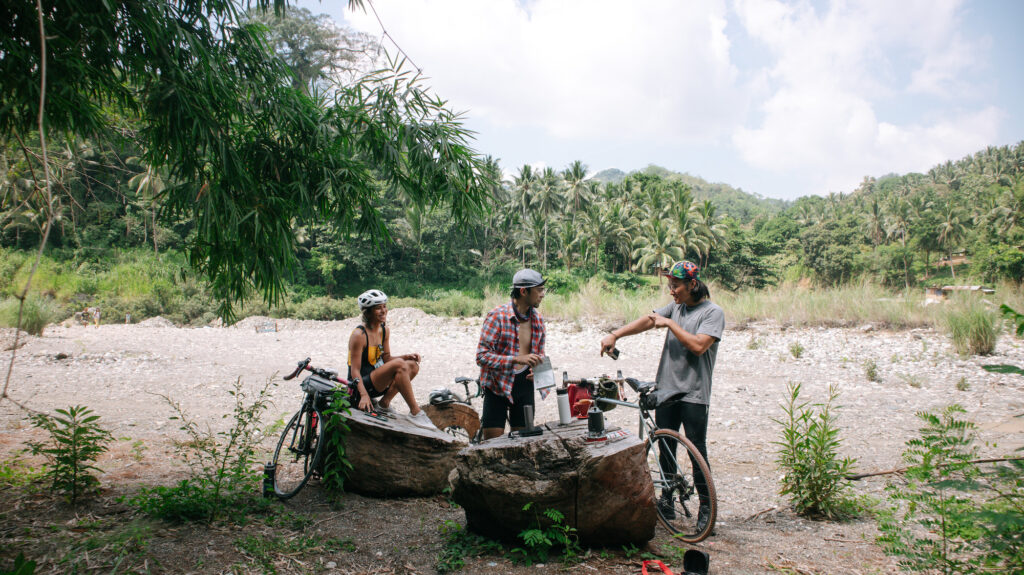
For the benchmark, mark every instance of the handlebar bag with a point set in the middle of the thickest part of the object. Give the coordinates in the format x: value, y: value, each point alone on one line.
x: 316, y: 384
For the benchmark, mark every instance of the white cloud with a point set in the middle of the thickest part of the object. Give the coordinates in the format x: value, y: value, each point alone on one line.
x: 577, y: 69
x: 831, y: 73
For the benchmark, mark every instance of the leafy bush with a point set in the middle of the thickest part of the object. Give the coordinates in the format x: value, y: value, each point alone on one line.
x: 335, y: 464
x: 325, y: 308
x: 625, y: 280
x: 76, y: 440
x: 547, y: 534
x: 808, y: 456
x: 223, y: 465
x: 953, y: 514
x: 974, y: 329
x: 37, y: 313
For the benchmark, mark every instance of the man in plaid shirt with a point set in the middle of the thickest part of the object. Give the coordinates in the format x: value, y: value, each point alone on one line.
x: 511, y: 343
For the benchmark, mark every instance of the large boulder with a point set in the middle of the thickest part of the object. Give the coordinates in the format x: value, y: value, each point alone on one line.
x: 603, y: 489
x: 393, y: 457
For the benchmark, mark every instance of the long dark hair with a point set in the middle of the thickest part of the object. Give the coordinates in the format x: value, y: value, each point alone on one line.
x: 701, y: 291
x: 368, y: 314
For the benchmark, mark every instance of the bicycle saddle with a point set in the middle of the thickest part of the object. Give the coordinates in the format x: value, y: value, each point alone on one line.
x: 463, y: 379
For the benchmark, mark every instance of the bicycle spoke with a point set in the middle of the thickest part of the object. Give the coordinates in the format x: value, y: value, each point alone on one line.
x: 676, y: 486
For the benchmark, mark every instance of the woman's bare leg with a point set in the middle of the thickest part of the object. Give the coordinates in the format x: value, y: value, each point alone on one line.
x: 397, y: 374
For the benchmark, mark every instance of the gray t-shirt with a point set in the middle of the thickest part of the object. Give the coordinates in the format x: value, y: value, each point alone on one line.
x: 680, y: 369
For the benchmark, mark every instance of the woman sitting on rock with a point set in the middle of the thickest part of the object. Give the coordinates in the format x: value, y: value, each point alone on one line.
x: 372, y: 368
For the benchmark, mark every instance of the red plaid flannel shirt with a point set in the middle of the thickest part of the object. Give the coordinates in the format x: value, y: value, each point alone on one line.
x: 499, y: 345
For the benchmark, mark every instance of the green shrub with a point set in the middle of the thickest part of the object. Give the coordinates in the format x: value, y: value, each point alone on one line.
x: 336, y: 465
x: 223, y: 465
x: 952, y: 514
x: 871, y: 370
x: 37, y: 313
x: 808, y: 457
x: 325, y: 308
x: 973, y: 328
x: 546, y: 534
x: 796, y: 349
x: 76, y: 440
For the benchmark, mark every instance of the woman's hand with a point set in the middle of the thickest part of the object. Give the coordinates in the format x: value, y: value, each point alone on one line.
x: 364, y: 402
x: 608, y: 343
x: 412, y: 357
x: 660, y: 320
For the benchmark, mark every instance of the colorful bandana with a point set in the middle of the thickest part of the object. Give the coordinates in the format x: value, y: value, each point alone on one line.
x: 685, y: 270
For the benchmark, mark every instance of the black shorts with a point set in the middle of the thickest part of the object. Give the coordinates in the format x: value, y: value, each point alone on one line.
x: 497, y: 407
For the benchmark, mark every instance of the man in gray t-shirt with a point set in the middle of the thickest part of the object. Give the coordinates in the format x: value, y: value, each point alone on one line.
x: 694, y: 327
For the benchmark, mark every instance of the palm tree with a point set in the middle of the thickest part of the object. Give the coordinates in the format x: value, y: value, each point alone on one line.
x: 711, y: 230
x: 686, y: 221
x: 148, y: 185
x: 522, y: 187
x: 576, y: 186
x: 898, y: 221
x: 548, y: 200
x: 657, y: 246
x: 595, y: 228
x: 875, y: 225
x: 951, y: 231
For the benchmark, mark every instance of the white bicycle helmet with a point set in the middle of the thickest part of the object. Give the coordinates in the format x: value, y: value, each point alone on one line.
x: 370, y: 298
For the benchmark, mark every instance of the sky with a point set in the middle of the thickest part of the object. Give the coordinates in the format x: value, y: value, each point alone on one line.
x: 778, y: 98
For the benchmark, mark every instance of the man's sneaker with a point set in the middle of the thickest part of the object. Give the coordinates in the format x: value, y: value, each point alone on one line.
x: 666, y: 508
x: 703, y: 516
x: 421, y: 420
x: 380, y: 408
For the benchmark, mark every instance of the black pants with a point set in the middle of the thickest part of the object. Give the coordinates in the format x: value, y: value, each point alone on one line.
x: 497, y: 409
x: 694, y: 419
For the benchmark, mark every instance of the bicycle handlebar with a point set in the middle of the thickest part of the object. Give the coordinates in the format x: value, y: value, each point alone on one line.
x: 322, y: 372
x: 298, y: 369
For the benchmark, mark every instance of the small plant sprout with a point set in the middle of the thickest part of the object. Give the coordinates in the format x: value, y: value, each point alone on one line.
x: 871, y: 370
x: 796, y: 349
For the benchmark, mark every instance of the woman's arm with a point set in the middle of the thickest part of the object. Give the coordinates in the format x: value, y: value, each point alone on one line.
x: 697, y: 343
x: 634, y: 327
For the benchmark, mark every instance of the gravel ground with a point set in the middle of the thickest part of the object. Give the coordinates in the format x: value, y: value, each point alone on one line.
x: 120, y: 372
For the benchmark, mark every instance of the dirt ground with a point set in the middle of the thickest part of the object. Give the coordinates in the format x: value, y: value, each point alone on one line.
x: 118, y: 371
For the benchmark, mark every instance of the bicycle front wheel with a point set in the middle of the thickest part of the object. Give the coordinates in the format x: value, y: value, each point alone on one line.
x: 298, y: 452
x: 684, y: 493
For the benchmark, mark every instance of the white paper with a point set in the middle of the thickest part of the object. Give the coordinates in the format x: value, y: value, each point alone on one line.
x: 544, y: 377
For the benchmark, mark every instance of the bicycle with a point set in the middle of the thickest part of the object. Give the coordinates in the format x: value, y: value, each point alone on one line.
x: 299, y: 453
x: 454, y: 413
x: 676, y: 494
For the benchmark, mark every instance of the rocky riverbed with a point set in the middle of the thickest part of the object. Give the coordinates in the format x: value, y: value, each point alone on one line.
x: 123, y: 372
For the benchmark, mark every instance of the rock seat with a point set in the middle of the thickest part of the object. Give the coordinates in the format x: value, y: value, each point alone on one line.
x: 603, y: 489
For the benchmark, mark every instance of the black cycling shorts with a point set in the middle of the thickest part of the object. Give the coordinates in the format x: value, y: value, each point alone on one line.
x: 497, y: 407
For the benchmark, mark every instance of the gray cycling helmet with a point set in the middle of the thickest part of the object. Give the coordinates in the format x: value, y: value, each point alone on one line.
x: 370, y: 298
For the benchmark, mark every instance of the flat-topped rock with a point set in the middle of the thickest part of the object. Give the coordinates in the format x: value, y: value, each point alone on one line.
x: 603, y: 489
x: 393, y: 457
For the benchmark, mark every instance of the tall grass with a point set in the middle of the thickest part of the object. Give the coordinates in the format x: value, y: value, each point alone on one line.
x: 35, y: 316
x: 836, y: 307
x: 974, y: 327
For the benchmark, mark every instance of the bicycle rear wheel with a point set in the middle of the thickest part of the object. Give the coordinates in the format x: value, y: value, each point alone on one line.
x: 676, y: 469
x: 298, y: 452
